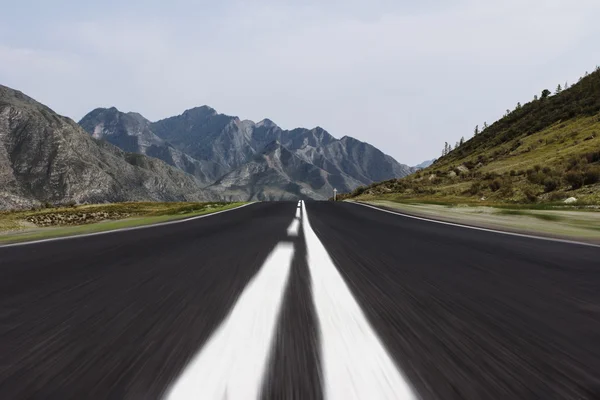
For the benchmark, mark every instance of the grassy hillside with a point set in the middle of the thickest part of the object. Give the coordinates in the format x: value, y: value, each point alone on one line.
x: 545, y: 151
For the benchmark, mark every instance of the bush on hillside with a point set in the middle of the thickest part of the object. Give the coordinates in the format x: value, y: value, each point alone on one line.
x: 475, y: 188
x: 575, y: 179
x: 551, y: 184
x: 591, y: 176
x: 495, y: 185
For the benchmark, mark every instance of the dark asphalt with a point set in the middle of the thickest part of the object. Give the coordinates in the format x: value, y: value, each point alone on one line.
x: 466, y: 314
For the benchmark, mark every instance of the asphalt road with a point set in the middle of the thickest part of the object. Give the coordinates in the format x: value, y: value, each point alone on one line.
x: 345, y: 302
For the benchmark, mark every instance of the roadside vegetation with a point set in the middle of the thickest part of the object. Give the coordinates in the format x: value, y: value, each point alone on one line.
x: 542, y: 153
x: 49, y: 221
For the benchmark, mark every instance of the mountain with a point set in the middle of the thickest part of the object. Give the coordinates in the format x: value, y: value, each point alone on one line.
x: 279, y: 174
x: 223, y: 145
x: 546, y: 150
x: 45, y: 157
x: 131, y: 132
x: 425, y: 164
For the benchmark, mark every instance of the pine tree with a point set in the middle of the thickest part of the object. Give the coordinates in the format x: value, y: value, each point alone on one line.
x: 518, y: 106
x: 462, y: 141
x: 449, y: 148
x: 456, y: 145
x: 445, y: 152
x: 545, y: 93
x: 535, y: 98
x: 476, y: 130
x: 485, y: 126
x: 566, y: 85
x: 558, y: 89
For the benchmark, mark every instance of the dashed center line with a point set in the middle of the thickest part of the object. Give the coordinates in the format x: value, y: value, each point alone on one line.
x: 231, y: 365
x: 355, y: 363
x: 293, y: 228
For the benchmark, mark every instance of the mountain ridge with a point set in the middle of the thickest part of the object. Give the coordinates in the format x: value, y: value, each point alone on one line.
x: 228, y: 143
x: 48, y: 158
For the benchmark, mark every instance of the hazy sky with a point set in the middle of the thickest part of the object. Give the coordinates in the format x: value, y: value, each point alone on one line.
x: 404, y: 76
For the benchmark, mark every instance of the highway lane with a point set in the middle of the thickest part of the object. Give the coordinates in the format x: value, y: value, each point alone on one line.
x: 342, y: 302
x: 470, y: 314
x: 118, y: 315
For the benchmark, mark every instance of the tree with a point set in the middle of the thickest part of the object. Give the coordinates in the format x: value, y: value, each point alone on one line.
x: 507, y: 113
x: 476, y: 130
x: 545, y: 93
x: 535, y: 98
x: 518, y: 106
x: 462, y: 141
x: 558, y: 89
x: 485, y: 126
x: 456, y: 145
x: 449, y: 148
x: 445, y: 152
x: 566, y: 85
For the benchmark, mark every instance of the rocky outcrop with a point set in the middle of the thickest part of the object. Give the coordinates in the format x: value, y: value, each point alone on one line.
x: 227, y: 147
x: 279, y: 174
x: 131, y: 132
x: 45, y: 157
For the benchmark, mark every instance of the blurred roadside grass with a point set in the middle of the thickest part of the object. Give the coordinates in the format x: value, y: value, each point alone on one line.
x: 42, y: 223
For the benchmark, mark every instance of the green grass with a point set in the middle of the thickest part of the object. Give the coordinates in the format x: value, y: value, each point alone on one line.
x: 544, y: 217
x: 141, y: 214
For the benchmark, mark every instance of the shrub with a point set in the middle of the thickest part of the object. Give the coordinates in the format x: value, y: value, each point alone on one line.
x: 358, y: 191
x: 574, y: 178
x: 530, y: 195
x: 591, y: 176
x: 535, y: 177
x: 547, y: 170
x: 593, y: 157
x: 537, y: 168
x: 475, y: 188
x: 551, y: 184
x: 495, y: 185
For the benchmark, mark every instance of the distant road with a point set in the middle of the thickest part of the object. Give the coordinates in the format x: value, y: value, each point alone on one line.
x: 300, y: 301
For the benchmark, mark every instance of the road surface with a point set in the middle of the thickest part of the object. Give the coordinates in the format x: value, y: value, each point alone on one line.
x: 313, y: 301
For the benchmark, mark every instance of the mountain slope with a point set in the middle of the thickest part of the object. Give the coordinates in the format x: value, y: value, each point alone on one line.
x: 229, y: 143
x: 279, y: 174
x: 45, y: 157
x: 546, y: 150
x: 131, y: 132
x: 424, y: 164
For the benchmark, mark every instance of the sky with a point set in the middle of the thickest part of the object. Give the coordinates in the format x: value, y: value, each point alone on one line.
x: 405, y: 76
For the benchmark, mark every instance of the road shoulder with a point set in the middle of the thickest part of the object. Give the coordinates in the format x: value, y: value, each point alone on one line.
x: 564, y: 225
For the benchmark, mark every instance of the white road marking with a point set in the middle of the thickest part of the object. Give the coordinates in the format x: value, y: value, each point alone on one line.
x: 478, y: 228
x: 133, y: 228
x: 232, y: 363
x: 355, y: 363
x: 298, y: 212
x: 293, y: 228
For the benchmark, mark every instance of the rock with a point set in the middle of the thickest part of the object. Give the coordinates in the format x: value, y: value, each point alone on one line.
x: 462, y: 169
x: 570, y: 200
x: 61, y: 163
x: 432, y: 177
x: 452, y: 174
x: 482, y: 199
